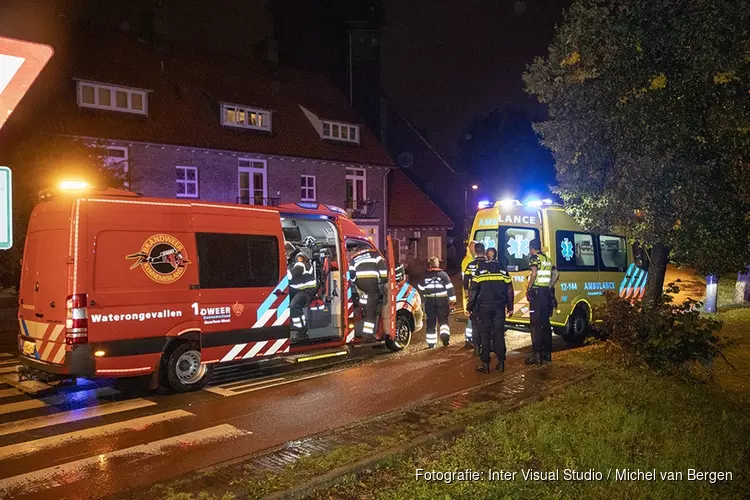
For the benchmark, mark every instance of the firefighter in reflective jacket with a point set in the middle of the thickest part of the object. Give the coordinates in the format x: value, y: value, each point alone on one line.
x: 491, y: 293
x: 302, y: 284
x: 368, y: 271
x: 471, y: 268
x: 542, y: 280
x: 439, y: 300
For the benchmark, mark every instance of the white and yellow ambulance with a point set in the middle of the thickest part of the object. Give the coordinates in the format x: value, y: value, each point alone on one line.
x: 589, y: 263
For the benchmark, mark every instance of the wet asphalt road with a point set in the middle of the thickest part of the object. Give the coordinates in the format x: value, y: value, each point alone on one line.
x: 97, y: 439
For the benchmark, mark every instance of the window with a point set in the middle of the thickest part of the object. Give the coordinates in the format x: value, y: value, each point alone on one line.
x: 340, y: 131
x: 516, y: 245
x: 613, y: 253
x: 252, y: 182
x: 356, y: 187
x: 576, y: 251
x: 116, y: 158
x: 237, y: 260
x: 244, y: 117
x: 187, y: 182
x: 101, y: 96
x: 435, y: 247
x: 486, y: 236
x: 308, y: 188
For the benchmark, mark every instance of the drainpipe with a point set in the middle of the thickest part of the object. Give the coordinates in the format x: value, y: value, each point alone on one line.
x: 385, y: 206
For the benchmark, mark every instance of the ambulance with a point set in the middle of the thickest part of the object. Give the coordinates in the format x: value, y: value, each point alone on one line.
x: 590, y: 264
x: 116, y: 285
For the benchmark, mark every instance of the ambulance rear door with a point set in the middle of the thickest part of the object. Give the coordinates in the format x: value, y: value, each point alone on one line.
x: 244, y: 292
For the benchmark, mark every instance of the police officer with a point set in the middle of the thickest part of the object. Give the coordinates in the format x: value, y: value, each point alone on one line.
x: 471, y: 268
x: 490, y: 295
x: 302, y: 284
x: 369, y: 273
x: 542, y: 278
x: 439, y: 301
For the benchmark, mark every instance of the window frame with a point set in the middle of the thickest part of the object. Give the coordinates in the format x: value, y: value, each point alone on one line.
x: 186, y: 181
x: 268, y: 262
x: 250, y: 170
x: 354, y: 177
x: 247, y: 110
x: 600, y: 260
x: 124, y: 161
x: 352, y: 135
x: 113, y: 89
x: 307, y: 188
x: 562, y: 264
x: 431, y: 254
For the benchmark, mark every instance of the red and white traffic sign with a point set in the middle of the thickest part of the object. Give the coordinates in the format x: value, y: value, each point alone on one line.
x: 20, y: 64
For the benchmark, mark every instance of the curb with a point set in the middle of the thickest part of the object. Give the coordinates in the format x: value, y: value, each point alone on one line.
x: 331, y: 478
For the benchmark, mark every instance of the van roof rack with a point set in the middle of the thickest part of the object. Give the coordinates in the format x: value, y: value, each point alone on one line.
x: 49, y: 193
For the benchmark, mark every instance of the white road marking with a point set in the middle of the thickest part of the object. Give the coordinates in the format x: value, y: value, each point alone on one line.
x: 28, y: 386
x: 21, y: 406
x: 9, y: 369
x: 135, y: 424
x: 6, y: 393
x: 71, y: 472
x: 225, y: 391
x: 252, y: 389
x: 72, y: 416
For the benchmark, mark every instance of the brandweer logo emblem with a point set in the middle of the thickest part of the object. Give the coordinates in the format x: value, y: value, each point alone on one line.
x: 162, y: 258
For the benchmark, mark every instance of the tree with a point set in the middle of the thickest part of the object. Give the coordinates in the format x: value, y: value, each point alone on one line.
x: 41, y: 161
x: 649, y: 124
x: 497, y: 146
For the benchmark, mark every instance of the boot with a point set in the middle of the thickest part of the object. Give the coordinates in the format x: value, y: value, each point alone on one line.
x: 534, y: 359
x: 501, y: 366
x: 446, y: 339
x: 301, y: 336
x: 483, y: 368
x: 468, y: 345
x: 547, y: 357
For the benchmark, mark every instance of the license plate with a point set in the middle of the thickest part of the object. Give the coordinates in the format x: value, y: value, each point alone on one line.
x: 29, y: 348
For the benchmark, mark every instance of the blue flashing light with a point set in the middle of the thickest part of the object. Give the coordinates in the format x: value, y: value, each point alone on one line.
x: 484, y: 204
x: 338, y: 210
x: 309, y: 206
x: 534, y: 203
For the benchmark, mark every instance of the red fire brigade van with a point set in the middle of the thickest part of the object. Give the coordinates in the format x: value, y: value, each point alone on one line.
x: 118, y: 285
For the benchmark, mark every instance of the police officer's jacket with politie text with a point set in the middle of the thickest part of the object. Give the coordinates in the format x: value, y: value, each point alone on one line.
x: 490, y: 286
x: 437, y: 284
x: 368, y: 270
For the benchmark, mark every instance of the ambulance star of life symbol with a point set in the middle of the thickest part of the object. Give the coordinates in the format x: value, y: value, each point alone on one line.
x: 518, y: 247
x: 566, y: 247
x: 162, y: 258
x: 20, y: 64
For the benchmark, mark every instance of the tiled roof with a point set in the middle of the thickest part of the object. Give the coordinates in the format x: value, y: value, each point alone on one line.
x: 410, y: 207
x: 183, y: 105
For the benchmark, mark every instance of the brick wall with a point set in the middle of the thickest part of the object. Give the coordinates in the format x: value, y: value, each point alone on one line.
x: 152, y: 172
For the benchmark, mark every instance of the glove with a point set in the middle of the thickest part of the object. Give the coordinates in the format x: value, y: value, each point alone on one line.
x: 509, y: 310
x: 453, y: 307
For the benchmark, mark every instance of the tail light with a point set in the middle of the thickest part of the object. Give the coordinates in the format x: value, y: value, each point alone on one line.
x: 77, y: 320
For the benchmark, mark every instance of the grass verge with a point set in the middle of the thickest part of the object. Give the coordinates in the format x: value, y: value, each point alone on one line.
x: 620, y: 419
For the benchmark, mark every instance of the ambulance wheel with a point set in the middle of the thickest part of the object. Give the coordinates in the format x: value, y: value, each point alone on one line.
x: 578, y: 326
x: 402, y: 338
x: 182, y: 368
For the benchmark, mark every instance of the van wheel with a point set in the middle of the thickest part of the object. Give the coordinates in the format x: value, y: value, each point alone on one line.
x: 403, y: 335
x: 183, y: 369
x: 577, y: 328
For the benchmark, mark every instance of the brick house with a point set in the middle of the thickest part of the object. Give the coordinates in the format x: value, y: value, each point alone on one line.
x: 187, y: 125
x: 418, y: 227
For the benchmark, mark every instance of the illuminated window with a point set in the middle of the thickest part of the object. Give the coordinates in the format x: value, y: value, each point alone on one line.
x: 244, y: 117
x: 112, y: 97
x: 187, y: 182
x: 340, y: 131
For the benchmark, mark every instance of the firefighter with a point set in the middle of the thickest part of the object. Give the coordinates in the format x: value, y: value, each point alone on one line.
x: 491, y: 293
x: 468, y: 274
x: 542, y: 278
x: 302, y: 284
x: 369, y: 272
x: 439, y: 302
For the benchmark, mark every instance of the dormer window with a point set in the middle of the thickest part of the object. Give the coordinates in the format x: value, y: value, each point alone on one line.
x: 340, y: 131
x: 112, y: 97
x: 240, y: 116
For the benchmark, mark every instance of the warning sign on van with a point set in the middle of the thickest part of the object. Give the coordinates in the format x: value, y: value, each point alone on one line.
x: 162, y: 258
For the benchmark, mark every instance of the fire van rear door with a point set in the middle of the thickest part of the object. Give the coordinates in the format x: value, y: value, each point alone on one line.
x: 389, y: 308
